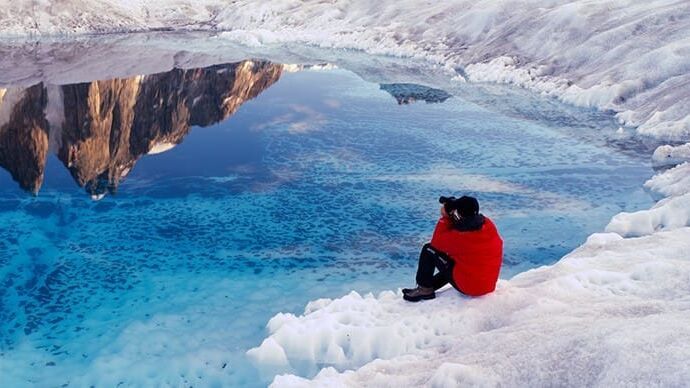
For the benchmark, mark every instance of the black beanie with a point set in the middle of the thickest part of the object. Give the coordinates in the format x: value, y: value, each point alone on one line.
x: 467, y: 206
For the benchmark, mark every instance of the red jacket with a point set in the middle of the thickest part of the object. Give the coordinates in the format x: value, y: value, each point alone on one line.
x: 477, y: 255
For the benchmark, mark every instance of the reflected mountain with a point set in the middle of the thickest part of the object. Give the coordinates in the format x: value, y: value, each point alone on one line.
x: 24, y: 135
x: 409, y: 93
x: 100, y: 129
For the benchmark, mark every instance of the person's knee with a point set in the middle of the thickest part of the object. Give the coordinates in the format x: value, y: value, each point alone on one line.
x: 432, y: 251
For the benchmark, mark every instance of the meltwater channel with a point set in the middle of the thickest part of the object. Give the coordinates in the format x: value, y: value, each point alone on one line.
x: 174, y: 217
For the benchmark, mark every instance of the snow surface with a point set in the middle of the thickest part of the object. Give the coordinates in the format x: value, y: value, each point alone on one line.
x: 669, y: 213
x: 612, y: 313
x: 674, y: 182
x: 671, y: 155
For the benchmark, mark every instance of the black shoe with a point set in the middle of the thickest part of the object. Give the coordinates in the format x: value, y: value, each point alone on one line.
x: 419, y: 293
x: 408, y: 290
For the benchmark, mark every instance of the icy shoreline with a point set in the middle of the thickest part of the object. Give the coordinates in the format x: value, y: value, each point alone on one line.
x: 613, y: 312
x: 570, y: 325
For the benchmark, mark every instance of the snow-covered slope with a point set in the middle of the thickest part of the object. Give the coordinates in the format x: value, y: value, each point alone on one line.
x: 629, y: 56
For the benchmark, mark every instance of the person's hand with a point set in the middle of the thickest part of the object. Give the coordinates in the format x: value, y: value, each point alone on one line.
x: 443, y: 212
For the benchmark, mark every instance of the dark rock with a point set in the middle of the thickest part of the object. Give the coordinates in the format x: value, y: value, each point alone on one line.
x: 409, y: 93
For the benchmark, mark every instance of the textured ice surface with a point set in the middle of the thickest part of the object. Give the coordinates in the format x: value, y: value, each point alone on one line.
x: 669, y: 213
x: 612, y: 313
x: 674, y: 182
x: 321, y: 185
x: 666, y: 155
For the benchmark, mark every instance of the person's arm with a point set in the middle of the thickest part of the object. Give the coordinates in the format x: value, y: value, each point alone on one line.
x: 443, y: 238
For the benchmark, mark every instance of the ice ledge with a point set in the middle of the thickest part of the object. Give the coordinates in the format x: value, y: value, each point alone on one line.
x: 613, y: 312
x: 669, y: 213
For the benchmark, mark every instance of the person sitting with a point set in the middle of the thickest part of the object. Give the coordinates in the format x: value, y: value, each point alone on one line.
x: 466, y: 248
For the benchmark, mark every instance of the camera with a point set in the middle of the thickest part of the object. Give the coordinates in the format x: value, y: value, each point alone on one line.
x: 465, y: 206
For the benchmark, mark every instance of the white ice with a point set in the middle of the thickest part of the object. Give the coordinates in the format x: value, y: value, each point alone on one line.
x: 612, y: 313
x: 668, y: 155
x: 669, y: 213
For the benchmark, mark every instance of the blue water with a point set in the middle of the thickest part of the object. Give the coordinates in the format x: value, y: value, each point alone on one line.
x: 321, y: 185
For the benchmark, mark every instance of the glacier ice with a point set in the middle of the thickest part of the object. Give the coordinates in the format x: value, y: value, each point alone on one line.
x: 614, y: 312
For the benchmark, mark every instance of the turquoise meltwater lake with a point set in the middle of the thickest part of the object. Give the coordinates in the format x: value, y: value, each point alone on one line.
x: 176, y: 213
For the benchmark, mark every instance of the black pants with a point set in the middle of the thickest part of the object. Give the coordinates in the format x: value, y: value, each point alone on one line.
x: 431, y: 259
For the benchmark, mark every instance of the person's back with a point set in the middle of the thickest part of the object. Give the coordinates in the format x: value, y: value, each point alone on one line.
x: 466, y: 248
x: 477, y: 255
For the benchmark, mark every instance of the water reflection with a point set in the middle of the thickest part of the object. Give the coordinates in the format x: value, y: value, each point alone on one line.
x: 100, y: 129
